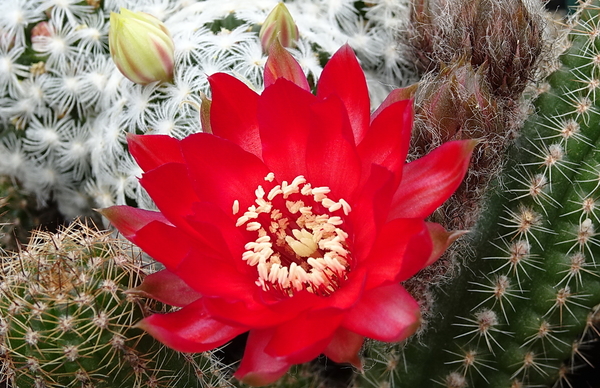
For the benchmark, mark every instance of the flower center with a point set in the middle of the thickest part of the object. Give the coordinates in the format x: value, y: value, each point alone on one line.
x: 300, y: 243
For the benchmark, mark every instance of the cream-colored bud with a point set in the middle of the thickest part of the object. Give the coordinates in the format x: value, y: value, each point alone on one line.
x: 141, y: 47
x: 279, y: 25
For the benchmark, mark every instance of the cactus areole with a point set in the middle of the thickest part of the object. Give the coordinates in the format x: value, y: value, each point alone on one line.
x: 295, y: 220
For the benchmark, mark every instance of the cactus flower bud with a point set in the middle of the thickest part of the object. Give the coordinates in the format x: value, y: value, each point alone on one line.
x: 456, y: 103
x: 508, y: 38
x: 278, y: 25
x: 38, y: 33
x: 141, y: 47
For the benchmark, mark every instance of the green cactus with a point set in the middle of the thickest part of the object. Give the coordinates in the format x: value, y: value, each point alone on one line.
x: 522, y: 311
x: 66, y: 320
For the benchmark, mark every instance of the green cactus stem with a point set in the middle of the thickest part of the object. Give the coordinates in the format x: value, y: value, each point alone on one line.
x: 66, y: 321
x: 521, y: 311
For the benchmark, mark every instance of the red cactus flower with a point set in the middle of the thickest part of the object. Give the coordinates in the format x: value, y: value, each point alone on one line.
x: 295, y: 220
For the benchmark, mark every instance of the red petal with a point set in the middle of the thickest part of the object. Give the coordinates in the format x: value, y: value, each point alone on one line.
x: 151, y: 151
x: 396, y: 95
x: 386, y: 143
x: 418, y: 253
x: 233, y: 112
x: 331, y: 158
x: 257, y: 316
x: 219, y: 228
x: 166, y: 287
x: 212, y: 272
x: 151, y: 232
x: 441, y: 240
x: 343, y: 77
x: 203, y: 220
x: 345, y: 347
x: 164, y: 243
x: 308, y: 353
x: 257, y: 367
x: 176, y: 205
x: 261, y: 313
x: 301, y: 302
x: 386, y: 313
x: 391, y: 254
x: 214, y: 275
x: 429, y: 181
x: 370, y: 210
x: 128, y: 220
x: 304, y: 337
x: 221, y: 172
x: 346, y: 296
x: 190, y: 329
x: 284, y: 117
x: 281, y: 64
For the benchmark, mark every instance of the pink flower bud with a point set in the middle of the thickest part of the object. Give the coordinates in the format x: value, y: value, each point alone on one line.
x: 278, y: 25
x: 141, y: 47
x: 38, y: 34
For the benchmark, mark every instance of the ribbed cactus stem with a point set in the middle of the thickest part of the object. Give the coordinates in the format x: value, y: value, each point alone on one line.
x: 519, y: 312
x: 65, y: 319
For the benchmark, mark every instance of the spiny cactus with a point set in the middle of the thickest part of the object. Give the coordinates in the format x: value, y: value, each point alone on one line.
x: 522, y: 311
x: 66, y: 320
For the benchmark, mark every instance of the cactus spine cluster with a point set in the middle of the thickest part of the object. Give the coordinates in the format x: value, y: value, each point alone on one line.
x: 523, y: 312
x: 66, y: 320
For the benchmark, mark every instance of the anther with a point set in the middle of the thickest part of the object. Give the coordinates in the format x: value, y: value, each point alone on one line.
x: 253, y: 226
x: 260, y: 192
x: 275, y: 191
x: 345, y: 206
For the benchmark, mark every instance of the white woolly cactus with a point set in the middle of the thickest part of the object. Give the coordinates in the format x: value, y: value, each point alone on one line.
x: 65, y: 108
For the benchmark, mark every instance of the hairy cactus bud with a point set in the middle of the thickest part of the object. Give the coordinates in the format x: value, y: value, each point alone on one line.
x: 508, y: 38
x: 422, y: 35
x: 458, y: 103
x: 454, y: 104
x: 480, y: 56
x: 279, y: 25
x: 141, y: 47
x: 505, y: 35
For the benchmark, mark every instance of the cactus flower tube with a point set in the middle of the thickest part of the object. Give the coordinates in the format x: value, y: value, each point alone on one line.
x: 141, y: 47
x: 295, y: 220
x: 279, y: 25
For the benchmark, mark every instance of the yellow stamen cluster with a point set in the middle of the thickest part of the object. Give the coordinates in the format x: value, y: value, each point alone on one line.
x: 300, y: 244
